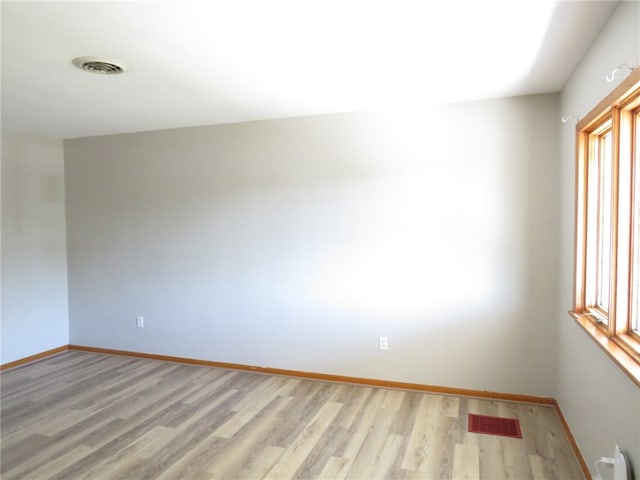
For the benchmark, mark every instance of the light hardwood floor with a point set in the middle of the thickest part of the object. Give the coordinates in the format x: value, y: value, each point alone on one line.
x: 82, y: 415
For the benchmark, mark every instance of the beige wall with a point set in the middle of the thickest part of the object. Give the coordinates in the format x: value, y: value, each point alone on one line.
x: 34, y: 263
x: 296, y: 243
x: 600, y: 402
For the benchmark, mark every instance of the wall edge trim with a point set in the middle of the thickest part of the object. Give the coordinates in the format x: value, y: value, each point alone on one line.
x: 33, y: 358
x: 572, y: 440
x: 328, y: 377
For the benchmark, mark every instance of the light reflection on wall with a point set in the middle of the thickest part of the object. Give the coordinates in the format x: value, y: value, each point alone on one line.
x: 415, y: 249
x: 429, y: 229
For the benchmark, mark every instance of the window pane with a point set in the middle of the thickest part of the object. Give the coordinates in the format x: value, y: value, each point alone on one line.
x: 591, y: 244
x: 635, y: 261
x: 605, y: 189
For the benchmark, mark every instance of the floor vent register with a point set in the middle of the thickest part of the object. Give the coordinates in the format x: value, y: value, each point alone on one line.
x: 505, y: 427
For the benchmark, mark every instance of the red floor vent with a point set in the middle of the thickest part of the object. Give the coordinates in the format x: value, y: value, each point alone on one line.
x: 506, y: 427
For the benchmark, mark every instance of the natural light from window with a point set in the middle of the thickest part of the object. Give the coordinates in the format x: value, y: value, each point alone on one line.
x: 635, y: 265
x: 607, y: 242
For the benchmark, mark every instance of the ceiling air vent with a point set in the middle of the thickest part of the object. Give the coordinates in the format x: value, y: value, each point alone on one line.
x: 102, y: 66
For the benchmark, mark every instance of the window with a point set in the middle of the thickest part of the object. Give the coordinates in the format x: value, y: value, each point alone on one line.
x: 607, y: 243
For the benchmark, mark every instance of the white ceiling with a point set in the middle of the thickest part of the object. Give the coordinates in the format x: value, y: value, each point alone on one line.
x: 221, y: 61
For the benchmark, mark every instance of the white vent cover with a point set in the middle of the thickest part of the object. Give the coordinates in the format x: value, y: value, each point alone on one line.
x: 102, y: 66
x: 621, y: 470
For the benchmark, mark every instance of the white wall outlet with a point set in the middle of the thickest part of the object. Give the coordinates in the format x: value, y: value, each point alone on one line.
x: 383, y: 343
x: 140, y: 322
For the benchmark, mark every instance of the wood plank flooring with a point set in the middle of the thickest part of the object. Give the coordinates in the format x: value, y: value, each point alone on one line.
x: 82, y: 415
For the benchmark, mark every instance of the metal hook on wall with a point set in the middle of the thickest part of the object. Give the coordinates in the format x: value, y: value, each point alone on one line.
x: 623, y: 66
x: 566, y: 118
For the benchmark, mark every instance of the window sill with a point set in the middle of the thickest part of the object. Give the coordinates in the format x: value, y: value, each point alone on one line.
x: 625, y: 361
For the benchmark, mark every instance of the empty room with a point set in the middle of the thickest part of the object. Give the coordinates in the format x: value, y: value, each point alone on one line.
x: 338, y: 239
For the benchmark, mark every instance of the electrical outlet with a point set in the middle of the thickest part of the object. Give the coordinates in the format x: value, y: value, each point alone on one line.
x: 140, y: 322
x: 383, y: 343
